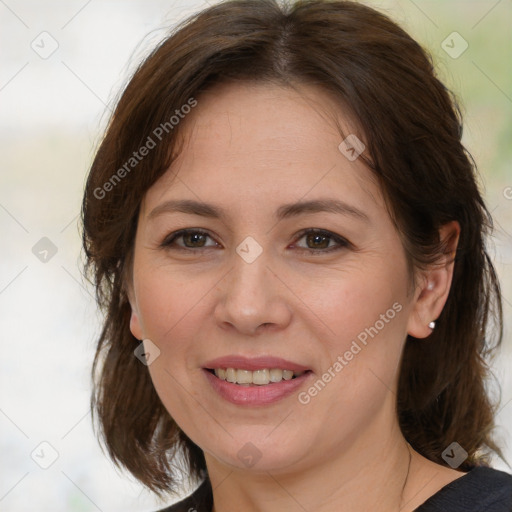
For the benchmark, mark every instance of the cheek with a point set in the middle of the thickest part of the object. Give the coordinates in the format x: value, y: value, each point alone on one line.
x: 358, y: 303
x: 170, y: 307
x: 359, y: 364
x: 168, y: 300
x: 172, y: 310
x: 365, y: 322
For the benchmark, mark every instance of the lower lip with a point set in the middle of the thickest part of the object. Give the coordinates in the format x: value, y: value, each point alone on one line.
x: 255, y: 395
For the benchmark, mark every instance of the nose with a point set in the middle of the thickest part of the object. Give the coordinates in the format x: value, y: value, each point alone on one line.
x: 252, y: 298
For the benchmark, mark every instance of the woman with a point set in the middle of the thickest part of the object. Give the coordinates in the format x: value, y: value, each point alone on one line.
x: 287, y: 238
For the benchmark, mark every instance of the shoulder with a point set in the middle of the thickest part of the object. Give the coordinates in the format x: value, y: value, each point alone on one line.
x: 482, y: 489
x: 201, y: 500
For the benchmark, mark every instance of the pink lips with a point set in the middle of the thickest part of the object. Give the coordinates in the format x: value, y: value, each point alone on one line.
x: 254, y: 395
x: 254, y: 363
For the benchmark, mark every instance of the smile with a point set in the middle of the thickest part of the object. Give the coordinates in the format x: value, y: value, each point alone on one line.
x: 253, y: 394
x: 258, y: 377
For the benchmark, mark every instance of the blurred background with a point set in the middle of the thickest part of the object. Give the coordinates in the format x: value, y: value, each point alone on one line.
x: 61, y: 66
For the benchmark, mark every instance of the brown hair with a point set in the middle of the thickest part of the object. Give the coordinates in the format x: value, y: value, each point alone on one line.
x: 412, y: 129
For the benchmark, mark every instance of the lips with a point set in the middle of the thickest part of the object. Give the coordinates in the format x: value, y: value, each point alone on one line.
x: 256, y: 395
x: 254, y: 363
x: 251, y: 394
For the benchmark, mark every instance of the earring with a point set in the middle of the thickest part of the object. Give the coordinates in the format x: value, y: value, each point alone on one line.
x: 432, y: 325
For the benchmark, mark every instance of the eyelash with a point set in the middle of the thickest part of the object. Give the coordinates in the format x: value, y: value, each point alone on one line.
x: 342, y: 242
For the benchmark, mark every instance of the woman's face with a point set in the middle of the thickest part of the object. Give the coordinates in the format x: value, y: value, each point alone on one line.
x: 251, y: 284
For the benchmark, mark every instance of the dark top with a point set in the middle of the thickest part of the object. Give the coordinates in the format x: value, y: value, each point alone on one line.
x: 482, y: 489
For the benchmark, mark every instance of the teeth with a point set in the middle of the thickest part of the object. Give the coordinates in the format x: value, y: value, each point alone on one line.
x: 243, y: 377
x: 276, y: 375
x: 258, y: 377
x: 230, y: 375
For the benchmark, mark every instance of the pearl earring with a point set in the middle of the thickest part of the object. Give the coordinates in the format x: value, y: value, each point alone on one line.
x: 430, y: 286
x: 432, y: 325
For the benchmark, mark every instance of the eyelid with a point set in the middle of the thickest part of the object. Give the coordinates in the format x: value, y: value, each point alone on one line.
x: 341, y: 241
x: 170, y: 239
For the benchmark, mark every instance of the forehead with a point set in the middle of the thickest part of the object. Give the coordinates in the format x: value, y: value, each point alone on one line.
x: 261, y: 116
x: 252, y: 142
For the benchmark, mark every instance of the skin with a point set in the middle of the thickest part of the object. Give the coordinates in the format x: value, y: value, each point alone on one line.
x: 249, y: 149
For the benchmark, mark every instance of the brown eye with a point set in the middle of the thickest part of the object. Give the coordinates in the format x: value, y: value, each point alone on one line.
x: 192, y: 239
x: 318, y: 241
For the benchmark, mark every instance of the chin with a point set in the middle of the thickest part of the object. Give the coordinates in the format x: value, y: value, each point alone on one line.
x: 258, y: 457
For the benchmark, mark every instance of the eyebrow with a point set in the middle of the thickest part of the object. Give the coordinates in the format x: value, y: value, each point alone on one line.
x: 283, y: 212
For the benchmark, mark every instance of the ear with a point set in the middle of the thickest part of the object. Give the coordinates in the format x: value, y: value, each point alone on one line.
x: 135, y: 323
x: 434, y: 285
x: 135, y: 326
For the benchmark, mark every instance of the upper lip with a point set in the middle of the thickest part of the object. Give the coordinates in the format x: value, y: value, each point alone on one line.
x: 254, y: 363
